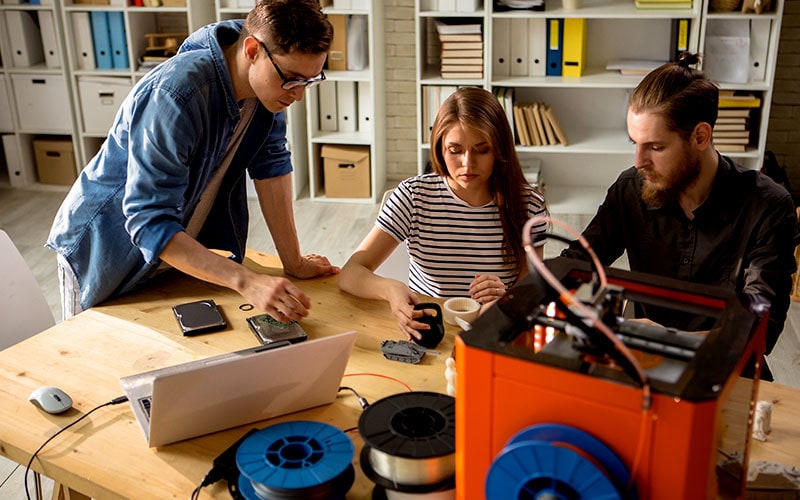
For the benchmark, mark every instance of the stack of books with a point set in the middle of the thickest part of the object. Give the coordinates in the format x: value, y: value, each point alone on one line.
x: 732, y: 130
x: 663, y: 4
x: 462, y: 50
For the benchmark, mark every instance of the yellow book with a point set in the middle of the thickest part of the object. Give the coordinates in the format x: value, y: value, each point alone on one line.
x: 574, y: 53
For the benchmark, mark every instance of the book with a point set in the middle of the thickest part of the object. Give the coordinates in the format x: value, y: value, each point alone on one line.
x: 519, y: 122
x: 633, y: 66
x: 539, y: 122
x: 466, y: 61
x: 462, y: 68
x: 551, y: 115
x: 738, y: 99
x: 548, y: 127
x: 730, y: 126
x: 733, y: 113
x: 465, y: 75
x: 461, y: 54
x: 733, y: 119
x: 462, y: 46
x: 460, y: 37
x: 730, y: 148
x: 530, y: 123
x: 458, y: 28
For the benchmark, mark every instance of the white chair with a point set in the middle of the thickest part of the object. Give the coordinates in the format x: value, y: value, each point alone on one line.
x: 396, y: 265
x: 23, y: 308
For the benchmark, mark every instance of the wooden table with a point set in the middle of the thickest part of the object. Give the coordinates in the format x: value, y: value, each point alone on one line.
x: 105, y: 456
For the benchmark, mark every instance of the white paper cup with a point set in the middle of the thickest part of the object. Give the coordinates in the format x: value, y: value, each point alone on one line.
x: 461, y: 307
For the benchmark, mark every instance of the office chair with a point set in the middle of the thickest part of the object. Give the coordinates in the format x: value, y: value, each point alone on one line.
x: 24, y: 310
x: 396, y: 265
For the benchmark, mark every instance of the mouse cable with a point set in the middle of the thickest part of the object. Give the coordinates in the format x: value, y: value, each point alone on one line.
x: 361, y: 401
x: 114, y: 401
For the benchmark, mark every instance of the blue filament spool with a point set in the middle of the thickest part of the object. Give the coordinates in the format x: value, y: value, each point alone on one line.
x: 557, y: 462
x: 293, y: 460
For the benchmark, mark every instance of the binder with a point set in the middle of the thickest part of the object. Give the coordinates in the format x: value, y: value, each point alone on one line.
x: 346, y: 117
x: 759, y: 45
x: 574, y: 47
x: 119, y: 45
x: 26, y: 42
x: 555, y: 37
x: 537, y: 46
x: 519, y: 47
x: 328, y: 120
x: 679, y: 38
x: 501, y: 47
x: 101, y: 39
x: 50, y: 43
x: 363, y: 89
x: 82, y: 32
x: 337, y: 53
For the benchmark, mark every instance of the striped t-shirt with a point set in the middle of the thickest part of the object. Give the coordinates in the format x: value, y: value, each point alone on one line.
x: 449, y: 241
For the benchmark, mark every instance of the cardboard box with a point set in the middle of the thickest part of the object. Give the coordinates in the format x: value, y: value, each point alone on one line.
x: 101, y: 97
x: 346, y: 171
x: 55, y: 161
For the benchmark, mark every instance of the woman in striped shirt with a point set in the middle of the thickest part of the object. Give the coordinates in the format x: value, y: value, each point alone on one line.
x: 461, y: 224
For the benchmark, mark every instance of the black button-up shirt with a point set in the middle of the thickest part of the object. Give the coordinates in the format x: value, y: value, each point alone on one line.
x: 741, y: 237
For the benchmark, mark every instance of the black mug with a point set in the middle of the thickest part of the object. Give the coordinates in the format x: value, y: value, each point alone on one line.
x: 430, y: 338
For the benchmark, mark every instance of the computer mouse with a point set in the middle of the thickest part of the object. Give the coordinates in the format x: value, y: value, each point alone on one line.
x: 51, y: 399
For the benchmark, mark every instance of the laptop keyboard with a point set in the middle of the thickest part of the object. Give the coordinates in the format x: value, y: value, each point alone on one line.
x: 145, y: 403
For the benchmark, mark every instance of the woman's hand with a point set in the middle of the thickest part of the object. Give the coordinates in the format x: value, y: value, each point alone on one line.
x: 486, y: 288
x: 402, y: 301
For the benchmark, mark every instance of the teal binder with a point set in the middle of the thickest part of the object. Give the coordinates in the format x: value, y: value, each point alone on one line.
x: 119, y: 45
x: 101, y: 39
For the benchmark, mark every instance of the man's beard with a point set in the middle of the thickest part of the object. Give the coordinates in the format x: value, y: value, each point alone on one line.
x: 673, y: 184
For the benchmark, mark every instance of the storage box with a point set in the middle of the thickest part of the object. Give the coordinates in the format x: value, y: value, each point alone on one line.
x: 55, y: 161
x: 42, y: 103
x: 101, y: 97
x: 346, y: 170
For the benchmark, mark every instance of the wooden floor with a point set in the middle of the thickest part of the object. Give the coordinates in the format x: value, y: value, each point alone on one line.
x: 327, y: 228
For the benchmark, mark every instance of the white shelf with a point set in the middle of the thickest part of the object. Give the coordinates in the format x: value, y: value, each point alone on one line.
x: 590, y: 108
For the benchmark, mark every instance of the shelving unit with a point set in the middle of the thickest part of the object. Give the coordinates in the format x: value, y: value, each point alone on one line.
x: 97, y: 92
x: 369, y: 81
x: 35, y: 89
x: 591, y: 108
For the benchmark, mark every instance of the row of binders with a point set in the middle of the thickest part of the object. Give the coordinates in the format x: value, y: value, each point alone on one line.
x: 345, y: 106
x: 555, y: 47
x: 33, y: 38
x: 100, y: 41
x: 535, y: 124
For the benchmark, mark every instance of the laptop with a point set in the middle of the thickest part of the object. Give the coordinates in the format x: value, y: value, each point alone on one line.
x: 209, y: 395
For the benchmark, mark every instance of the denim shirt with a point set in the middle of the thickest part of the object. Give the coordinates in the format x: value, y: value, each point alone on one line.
x: 167, y: 140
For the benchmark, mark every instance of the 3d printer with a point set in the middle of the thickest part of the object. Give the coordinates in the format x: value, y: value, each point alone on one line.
x: 563, y: 405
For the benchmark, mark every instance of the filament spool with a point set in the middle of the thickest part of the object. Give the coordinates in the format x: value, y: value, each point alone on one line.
x: 409, y: 443
x: 557, y: 462
x: 296, y: 460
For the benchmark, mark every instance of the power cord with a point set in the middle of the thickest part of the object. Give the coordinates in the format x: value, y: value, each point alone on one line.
x: 224, y: 468
x: 361, y: 401
x: 114, y: 401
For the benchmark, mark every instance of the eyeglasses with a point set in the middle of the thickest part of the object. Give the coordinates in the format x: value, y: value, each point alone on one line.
x: 292, y: 83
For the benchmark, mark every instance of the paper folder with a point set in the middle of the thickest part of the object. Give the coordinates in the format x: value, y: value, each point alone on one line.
x: 574, y: 54
x: 347, y: 119
x: 555, y: 37
x: 82, y: 32
x: 26, y: 42
x: 759, y: 46
x: 101, y: 39
x: 519, y: 47
x: 501, y: 47
x: 119, y: 45
x: 50, y: 43
x: 537, y: 47
x: 328, y: 121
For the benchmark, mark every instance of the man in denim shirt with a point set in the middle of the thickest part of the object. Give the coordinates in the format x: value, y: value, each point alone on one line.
x: 137, y: 205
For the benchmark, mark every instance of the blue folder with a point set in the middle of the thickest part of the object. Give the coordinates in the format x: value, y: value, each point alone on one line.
x: 555, y: 46
x: 101, y: 39
x: 119, y: 45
